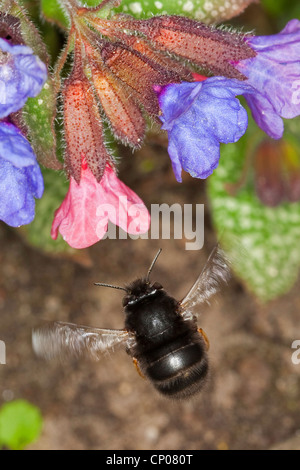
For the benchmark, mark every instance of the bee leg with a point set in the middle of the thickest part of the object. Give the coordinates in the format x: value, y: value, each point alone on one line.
x: 135, y: 362
x: 204, y: 337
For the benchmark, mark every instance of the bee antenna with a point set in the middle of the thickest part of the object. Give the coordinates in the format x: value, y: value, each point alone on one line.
x: 109, y: 285
x: 152, y: 264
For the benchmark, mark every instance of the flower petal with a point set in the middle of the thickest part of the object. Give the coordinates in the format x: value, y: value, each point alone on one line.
x: 265, y: 115
x: 274, y: 74
x: 21, y: 179
x: 76, y: 219
x: 275, y: 80
x: 13, y: 49
x: 195, y: 125
x: 82, y: 219
x: 132, y: 215
x: 281, y: 46
x: 17, y: 191
x: 176, y: 99
x: 22, y: 75
x: 14, y: 148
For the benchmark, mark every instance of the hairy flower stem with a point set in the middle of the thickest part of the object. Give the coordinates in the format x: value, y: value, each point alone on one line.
x: 62, y: 60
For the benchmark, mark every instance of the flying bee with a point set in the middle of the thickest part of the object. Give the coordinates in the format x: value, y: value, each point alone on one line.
x: 161, y: 334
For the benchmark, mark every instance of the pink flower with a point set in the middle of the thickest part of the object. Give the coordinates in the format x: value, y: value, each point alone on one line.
x: 82, y: 218
x: 199, y: 78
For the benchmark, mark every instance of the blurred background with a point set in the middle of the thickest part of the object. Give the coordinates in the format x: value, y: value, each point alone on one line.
x: 251, y: 399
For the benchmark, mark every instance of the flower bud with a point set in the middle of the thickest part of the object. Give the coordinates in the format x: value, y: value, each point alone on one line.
x: 277, y: 173
x: 206, y: 47
x: 138, y: 72
x: 10, y: 28
x: 269, y: 182
x: 291, y: 162
x: 123, y: 112
x: 83, y: 127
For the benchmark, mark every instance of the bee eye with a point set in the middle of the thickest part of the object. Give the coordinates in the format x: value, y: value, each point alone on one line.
x: 125, y: 301
x: 157, y: 286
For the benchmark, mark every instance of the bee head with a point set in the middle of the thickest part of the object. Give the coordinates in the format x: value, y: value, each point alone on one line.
x: 140, y: 289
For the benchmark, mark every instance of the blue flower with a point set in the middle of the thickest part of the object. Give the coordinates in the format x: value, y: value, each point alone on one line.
x: 20, y: 177
x: 198, y: 116
x: 275, y: 75
x: 22, y: 75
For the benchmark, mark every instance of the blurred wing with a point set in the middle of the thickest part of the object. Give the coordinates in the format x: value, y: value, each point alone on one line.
x: 215, y: 273
x: 59, y: 339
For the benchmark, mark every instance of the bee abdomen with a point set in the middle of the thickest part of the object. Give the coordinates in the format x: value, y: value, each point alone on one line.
x: 181, y: 372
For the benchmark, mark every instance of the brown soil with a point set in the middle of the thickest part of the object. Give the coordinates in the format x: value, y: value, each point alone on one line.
x: 251, y: 400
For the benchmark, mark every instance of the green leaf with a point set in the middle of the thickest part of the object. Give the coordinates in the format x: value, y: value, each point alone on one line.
x: 203, y: 10
x: 38, y: 114
x: 20, y: 424
x: 263, y: 242
x: 38, y: 232
x: 53, y: 12
x: 90, y: 3
x: 281, y: 8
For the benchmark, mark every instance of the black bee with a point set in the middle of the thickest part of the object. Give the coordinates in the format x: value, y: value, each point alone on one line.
x: 161, y: 334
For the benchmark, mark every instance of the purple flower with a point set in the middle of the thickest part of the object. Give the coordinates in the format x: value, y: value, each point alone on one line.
x: 274, y: 73
x: 198, y: 116
x: 20, y: 177
x: 22, y: 75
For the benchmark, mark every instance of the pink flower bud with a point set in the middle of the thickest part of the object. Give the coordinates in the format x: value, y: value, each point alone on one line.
x: 82, y: 219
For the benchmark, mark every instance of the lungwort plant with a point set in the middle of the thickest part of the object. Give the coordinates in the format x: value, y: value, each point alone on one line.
x: 125, y: 64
